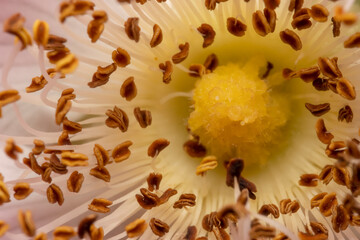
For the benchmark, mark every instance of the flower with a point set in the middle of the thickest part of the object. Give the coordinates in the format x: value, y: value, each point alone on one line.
x: 162, y: 111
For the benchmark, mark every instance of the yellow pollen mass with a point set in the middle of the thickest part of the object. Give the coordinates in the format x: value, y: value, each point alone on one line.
x: 236, y: 114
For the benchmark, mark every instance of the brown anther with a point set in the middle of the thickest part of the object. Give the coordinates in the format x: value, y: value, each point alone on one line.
x: 316, y: 200
x: 100, y: 205
x: 291, y: 38
x: 85, y: 224
x: 100, y: 15
x: 71, y: 127
x: 346, y: 89
x: 136, y: 228
x: 140, y: 1
x: 319, y: 109
x: 11, y: 149
x: 309, y: 180
x: 191, y: 233
x: 22, y: 190
x: 259, y: 232
x: 7, y: 97
x: 214, y: 221
x: 56, y: 55
x: 46, y: 175
x: 272, y: 4
x: 268, y: 209
x: 56, y: 165
x: 96, y: 233
x: 167, y: 195
x: 321, y: 84
x: 327, y: 204
x: 132, y: 28
x: 270, y: 16
x: 75, y: 181
x: 260, y: 23
x: 197, y: 70
x: 101, y: 173
x: 121, y: 152
x: 319, y: 13
x: 68, y: 9
x: 288, y: 206
x: 34, y: 164
x: 55, y: 42
x: 340, y: 219
x: 287, y: 73
x: 3, y: 227
x: 153, y: 181
x: 336, y: 27
x: 318, y: 228
x: 354, y: 220
x: 102, y: 75
x: 182, y: 55
x: 309, y: 236
x: 39, y: 146
x: 234, y: 169
x: 117, y: 118
x: 64, y: 233
x: 26, y: 223
x: 326, y: 174
x: 121, y: 57
x: 206, y: 164
x: 332, y: 85
x: 211, y: 62
x: 64, y: 138
x: 41, y: 32
x: 157, y: 36
x: 210, y: 4
x: 157, y: 146
x: 167, y: 69
x: 323, y: 135
x: 4, y: 193
x: 295, y: 5
x: 341, y: 176
x: 329, y: 67
x: 72, y: 159
x: 208, y: 34
x: 309, y: 74
x: 185, y: 200
x: 37, y: 83
x: 128, y: 89
x: 63, y: 106
x: 345, y: 113
x: 101, y: 155
x: 15, y: 25
x: 54, y: 194
x: 67, y: 65
x: 353, y: 41
x: 143, y: 117
x: 269, y: 67
x: 236, y: 27
x: 147, y: 200
x: 301, y: 19
x: 94, y: 30
x: 158, y: 227
x: 194, y: 149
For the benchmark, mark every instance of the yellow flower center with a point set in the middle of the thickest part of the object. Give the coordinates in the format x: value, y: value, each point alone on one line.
x: 236, y: 113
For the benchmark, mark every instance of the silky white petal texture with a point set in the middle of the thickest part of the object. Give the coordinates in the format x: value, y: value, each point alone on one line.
x: 179, y: 20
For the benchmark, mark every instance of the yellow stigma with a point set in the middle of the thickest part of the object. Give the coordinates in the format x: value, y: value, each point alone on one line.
x: 236, y: 114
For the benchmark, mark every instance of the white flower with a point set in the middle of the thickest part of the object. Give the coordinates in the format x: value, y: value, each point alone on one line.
x: 159, y: 107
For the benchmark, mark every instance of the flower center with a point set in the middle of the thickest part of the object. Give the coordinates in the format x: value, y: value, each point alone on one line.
x: 237, y: 113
